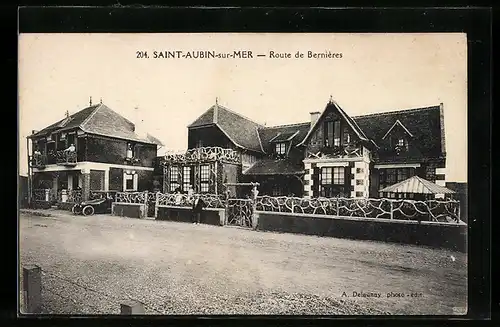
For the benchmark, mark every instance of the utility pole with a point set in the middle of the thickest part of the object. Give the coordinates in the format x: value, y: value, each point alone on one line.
x: 30, y: 182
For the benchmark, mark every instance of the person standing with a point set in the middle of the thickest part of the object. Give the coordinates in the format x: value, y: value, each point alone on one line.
x: 198, y: 205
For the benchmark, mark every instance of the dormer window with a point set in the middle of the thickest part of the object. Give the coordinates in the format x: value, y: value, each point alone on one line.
x: 280, y: 148
x: 63, y: 136
x: 398, y: 136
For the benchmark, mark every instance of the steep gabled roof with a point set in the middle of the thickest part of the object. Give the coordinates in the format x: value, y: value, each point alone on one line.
x: 354, y: 126
x: 100, y: 120
x: 242, y: 131
x: 75, y: 120
x: 424, y: 124
x: 283, y: 133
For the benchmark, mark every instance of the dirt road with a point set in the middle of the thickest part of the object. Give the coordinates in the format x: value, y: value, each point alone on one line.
x: 92, y: 264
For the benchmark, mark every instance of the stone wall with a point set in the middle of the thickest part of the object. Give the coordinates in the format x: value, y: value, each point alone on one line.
x: 209, y: 216
x: 442, y: 235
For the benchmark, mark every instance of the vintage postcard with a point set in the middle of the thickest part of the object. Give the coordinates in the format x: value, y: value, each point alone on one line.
x: 243, y: 174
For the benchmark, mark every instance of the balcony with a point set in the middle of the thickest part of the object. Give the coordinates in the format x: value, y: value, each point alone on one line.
x: 66, y: 158
x: 204, y: 154
x: 38, y: 160
x: 133, y: 161
x: 349, y: 150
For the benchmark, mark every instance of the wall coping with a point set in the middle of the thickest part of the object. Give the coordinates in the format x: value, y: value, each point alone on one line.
x: 189, y: 208
x: 381, y: 220
x: 127, y: 203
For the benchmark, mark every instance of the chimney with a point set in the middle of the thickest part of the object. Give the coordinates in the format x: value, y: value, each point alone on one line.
x: 139, y: 124
x: 314, y: 116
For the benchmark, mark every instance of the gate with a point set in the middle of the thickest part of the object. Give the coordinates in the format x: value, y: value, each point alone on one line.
x: 239, y: 212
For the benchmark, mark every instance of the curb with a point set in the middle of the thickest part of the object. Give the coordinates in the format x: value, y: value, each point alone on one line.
x: 36, y: 213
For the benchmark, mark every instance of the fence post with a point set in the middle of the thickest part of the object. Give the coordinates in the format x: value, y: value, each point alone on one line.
x: 32, y: 288
x: 255, y: 216
x: 146, y: 200
x: 156, y: 205
x: 132, y: 308
x: 392, y: 209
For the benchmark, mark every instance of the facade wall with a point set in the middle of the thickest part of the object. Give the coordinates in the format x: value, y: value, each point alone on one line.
x: 145, y: 180
x: 213, y: 182
x: 312, y: 177
x: 231, y: 174
x: 208, y: 136
x: 247, y: 160
x: 114, y: 151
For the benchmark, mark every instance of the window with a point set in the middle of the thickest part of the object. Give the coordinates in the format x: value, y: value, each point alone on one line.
x: 204, y: 178
x: 359, y: 194
x: 359, y: 170
x: 328, y: 133
x: 391, y: 176
x: 347, y: 136
x: 332, y: 181
x: 280, y: 148
x: 186, y: 178
x: 130, y: 182
x: 97, y: 180
x: 63, y: 136
x: 359, y: 182
x: 174, y: 178
x: 401, y: 142
x: 336, y: 133
x: 332, y: 133
x: 199, y: 143
x: 276, y: 190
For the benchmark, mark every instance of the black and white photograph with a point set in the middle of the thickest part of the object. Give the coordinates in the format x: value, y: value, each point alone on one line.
x: 243, y: 174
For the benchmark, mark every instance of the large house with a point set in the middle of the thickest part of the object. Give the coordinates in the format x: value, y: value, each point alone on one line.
x: 94, y: 149
x: 331, y: 155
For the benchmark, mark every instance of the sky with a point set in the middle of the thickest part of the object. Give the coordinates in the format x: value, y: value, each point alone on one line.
x: 375, y: 73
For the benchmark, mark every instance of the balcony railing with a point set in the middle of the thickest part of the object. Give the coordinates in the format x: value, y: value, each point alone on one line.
x: 66, y: 158
x: 133, y: 161
x: 204, y: 154
x: 69, y: 196
x: 46, y: 195
x: 350, y: 150
x: 38, y: 160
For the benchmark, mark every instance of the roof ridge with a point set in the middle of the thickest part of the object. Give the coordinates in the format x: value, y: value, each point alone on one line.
x: 260, y: 140
x: 82, y: 125
x: 396, y: 112
x: 237, y: 113
x: 287, y: 125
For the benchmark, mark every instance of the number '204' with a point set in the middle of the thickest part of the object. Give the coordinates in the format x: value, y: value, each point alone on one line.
x: 141, y: 54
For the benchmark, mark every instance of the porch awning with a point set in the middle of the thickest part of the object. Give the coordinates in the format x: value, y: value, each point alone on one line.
x: 274, y: 167
x: 417, y: 185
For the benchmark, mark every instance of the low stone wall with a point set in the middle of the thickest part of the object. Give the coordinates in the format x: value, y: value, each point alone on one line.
x: 38, y: 204
x: 131, y: 210
x: 210, y: 216
x: 65, y: 205
x: 443, y: 235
